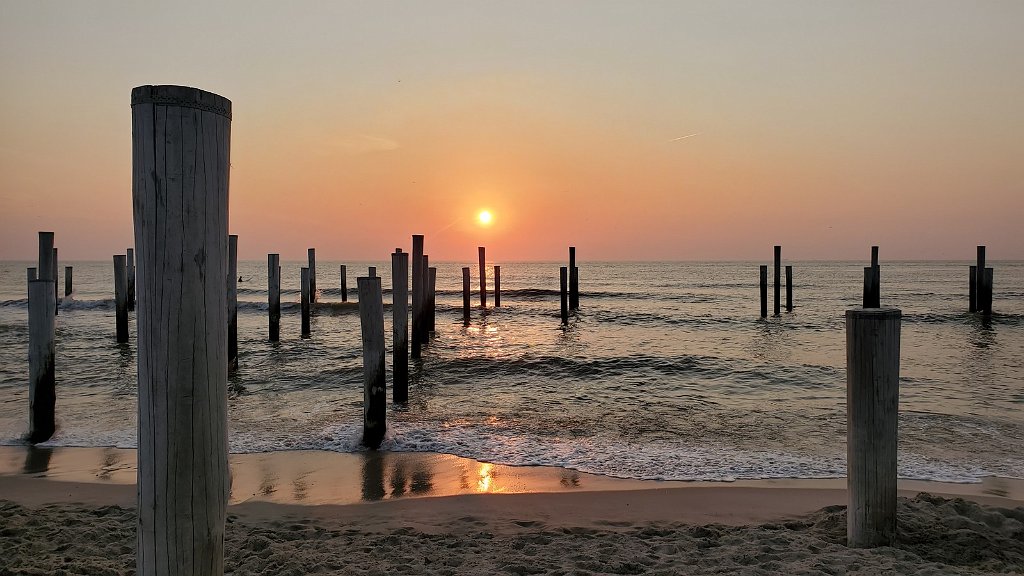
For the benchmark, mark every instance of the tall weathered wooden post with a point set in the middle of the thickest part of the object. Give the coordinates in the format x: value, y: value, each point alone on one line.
x: 432, y: 298
x: 972, y: 290
x: 274, y: 295
x: 426, y: 325
x: 483, y: 276
x: 981, y: 277
x: 69, y: 284
x: 985, y: 296
x: 121, y: 297
x: 574, y: 281
x: 400, y: 325
x: 130, y: 275
x: 417, y: 294
x: 31, y: 273
x: 563, y: 288
x: 789, y: 288
x: 304, y: 299
x: 497, y: 286
x: 44, y: 270
x: 180, y: 163
x: 56, y: 297
x: 311, y: 253
x: 344, y: 284
x: 778, y: 277
x: 371, y: 321
x: 465, y: 295
x: 42, y: 392
x: 764, y: 291
x: 872, y: 406
x: 232, y: 301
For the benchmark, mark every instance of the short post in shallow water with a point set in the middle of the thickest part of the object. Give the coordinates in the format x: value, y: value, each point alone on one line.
x: 574, y: 280
x: 563, y: 289
x: 121, y: 297
x: 417, y: 294
x: 274, y: 295
x: 778, y: 277
x: 400, y: 325
x: 32, y: 274
x: 465, y: 295
x: 304, y: 302
x: 42, y: 394
x: 69, y: 284
x: 497, y: 286
x: 130, y: 272
x: 986, y: 293
x: 45, y: 264
x: 980, y: 281
x: 764, y: 291
x: 483, y: 277
x: 344, y: 284
x: 311, y: 254
x: 181, y: 238
x: 371, y: 320
x: 56, y: 297
x: 432, y: 297
x: 371, y: 271
x: 972, y: 290
x: 232, y: 301
x: 789, y: 288
x: 872, y: 290
x: 872, y: 407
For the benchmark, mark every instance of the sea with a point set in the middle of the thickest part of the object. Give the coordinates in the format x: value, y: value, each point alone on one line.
x: 666, y: 371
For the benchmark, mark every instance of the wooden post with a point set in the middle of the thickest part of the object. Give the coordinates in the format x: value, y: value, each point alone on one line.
x: 371, y: 271
x: 130, y: 272
x: 986, y: 293
x: 45, y: 269
x: 789, y: 288
x: 497, y: 286
x: 121, y: 297
x: 465, y: 295
x: 68, y: 280
x: 483, y: 277
x: 181, y: 157
x: 305, y: 290
x: 574, y: 281
x: 344, y: 285
x: 371, y: 320
x: 981, y: 277
x: 400, y: 325
x: 42, y: 392
x: 56, y: 298
x: 417, y: 294
x: 764, y: 291
x: 311, y: 253
x: 972, y: 290
x: 563, y: 289
x: 232, y: 301
x: 872, y: 407
x: 778, y: 277
x: 274, y: 295
x: 431, y: 298
x: 32, y: 274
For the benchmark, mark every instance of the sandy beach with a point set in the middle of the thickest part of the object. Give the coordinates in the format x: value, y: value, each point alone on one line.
x: 61, y: 521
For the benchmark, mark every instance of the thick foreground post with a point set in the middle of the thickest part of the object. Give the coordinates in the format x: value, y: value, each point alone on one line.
x: 789, y: 288
x: 872, y: 407
x: 465, y: 295
x: 497, y: 286
x: 181, y: 153
x: 130, y: 274
x: 42, y: 394
x: 563, y: 288
x: 344, y: 284
x: 778, y: 278
x: 371, y: 320
x: 400, y: 325
x: 764, y: 291
x: 432, y: 298
x: 121, y: 297
x: 483, y: 277
x: 311, y: 253
x: 232, y: 301
x: 972, y: 290
x: 417, y: 294
x: 274, y: 295
x: 574, y: 282
x: 69, y: 284
x: 304, y: 303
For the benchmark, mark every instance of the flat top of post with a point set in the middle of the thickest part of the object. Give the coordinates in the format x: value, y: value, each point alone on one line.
x: 873, y: 312
x: 185, y: 96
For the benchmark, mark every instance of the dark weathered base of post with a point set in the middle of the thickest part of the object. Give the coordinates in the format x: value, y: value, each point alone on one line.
x: 121, y: 297
x: 371, y: 320
x: 789, y: 288
x: 130, y: 272
x: 563, y: 292
x: 42, y: 391
x: 69, y: 284
x: 274, y: 295
x: 972, y: 290
x: 400, y: 325
x: 872, y: 404
x: 465, y: 295
x: 431, y: 299
x: 497, y: 286
x: 778, y: 279
x: 344, y: 285
x: 764, y: 291
x: 304, y: 304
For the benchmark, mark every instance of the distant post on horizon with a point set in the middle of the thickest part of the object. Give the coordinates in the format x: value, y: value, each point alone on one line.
x: 980, y: 279
x: 873, y: 282
x: 574, y: 280
x: 497, y: 286
x: 304, y: 290
x: 563, y: 288
x: 274, y: 296
x: 972, y: 289
x: 417, y: 294
x: 371, y: 271
x: 432, y: 298
x: 344, y: 284
x: 980, y: 295
x: 872, y: 409
x: 311, y: 254
x: 371, y: 322
x: 69, y: 284
x: 121, y: 297
x: 789, y: 288
x: 47, y: 265
x: 764, y: 290
x: 31, y: 273
x: 465, y: 295
x: 483, y: 276
x: 778, y: 279
x: 399, y: 325
x: 232, y: 288
x: 986, y: 293
x: 181, y: 235
x: 56, y: 296
x: 130, y: 275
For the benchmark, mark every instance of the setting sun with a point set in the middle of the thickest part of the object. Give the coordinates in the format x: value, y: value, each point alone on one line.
x: 484, y: 217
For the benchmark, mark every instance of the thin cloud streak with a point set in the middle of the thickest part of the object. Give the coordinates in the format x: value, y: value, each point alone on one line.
x: 687, y: 136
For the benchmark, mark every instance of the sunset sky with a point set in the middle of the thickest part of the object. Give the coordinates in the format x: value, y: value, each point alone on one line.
x: 822, y: 126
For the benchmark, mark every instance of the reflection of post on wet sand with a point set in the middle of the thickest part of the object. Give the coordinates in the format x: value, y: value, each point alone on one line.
x: 422, y: 479
x: 373, y: 476
x: 300, y: 487
x: 110, y: 459
x: 37, y: 459
x: 398, y: 479
x: 570, y: 479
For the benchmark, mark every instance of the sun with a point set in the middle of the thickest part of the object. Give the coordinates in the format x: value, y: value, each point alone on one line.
x: 484, y: 217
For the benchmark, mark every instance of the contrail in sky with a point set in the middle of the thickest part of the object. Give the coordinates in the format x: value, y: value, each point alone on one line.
x: 687, y: 136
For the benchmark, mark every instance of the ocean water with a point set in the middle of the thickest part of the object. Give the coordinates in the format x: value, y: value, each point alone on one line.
x: 666, y: 371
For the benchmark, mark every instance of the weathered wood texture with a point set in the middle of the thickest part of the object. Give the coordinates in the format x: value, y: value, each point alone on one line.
x: 130, y: 275
x: 371, y: 321
x: 465, y: 295
x: 232, y: 288
x: 400, y: 326
x: 304, y: 291
x: 180, y: 166
x: 789, y: 288
x: 69, y: 282
x: 418, y: 282
x: 778, y: 273
x: 121, y: 297
x: 764, y: 291
x: 497, y: 286
x: 972, y: 290
x: 872, y: 406
x: 274, y: 295
x: 311, y: 254
x: 574, y: 282
x: 42, y: 392
x: 344, y: 283
x: 481, y: 256
x: 563, y: 289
